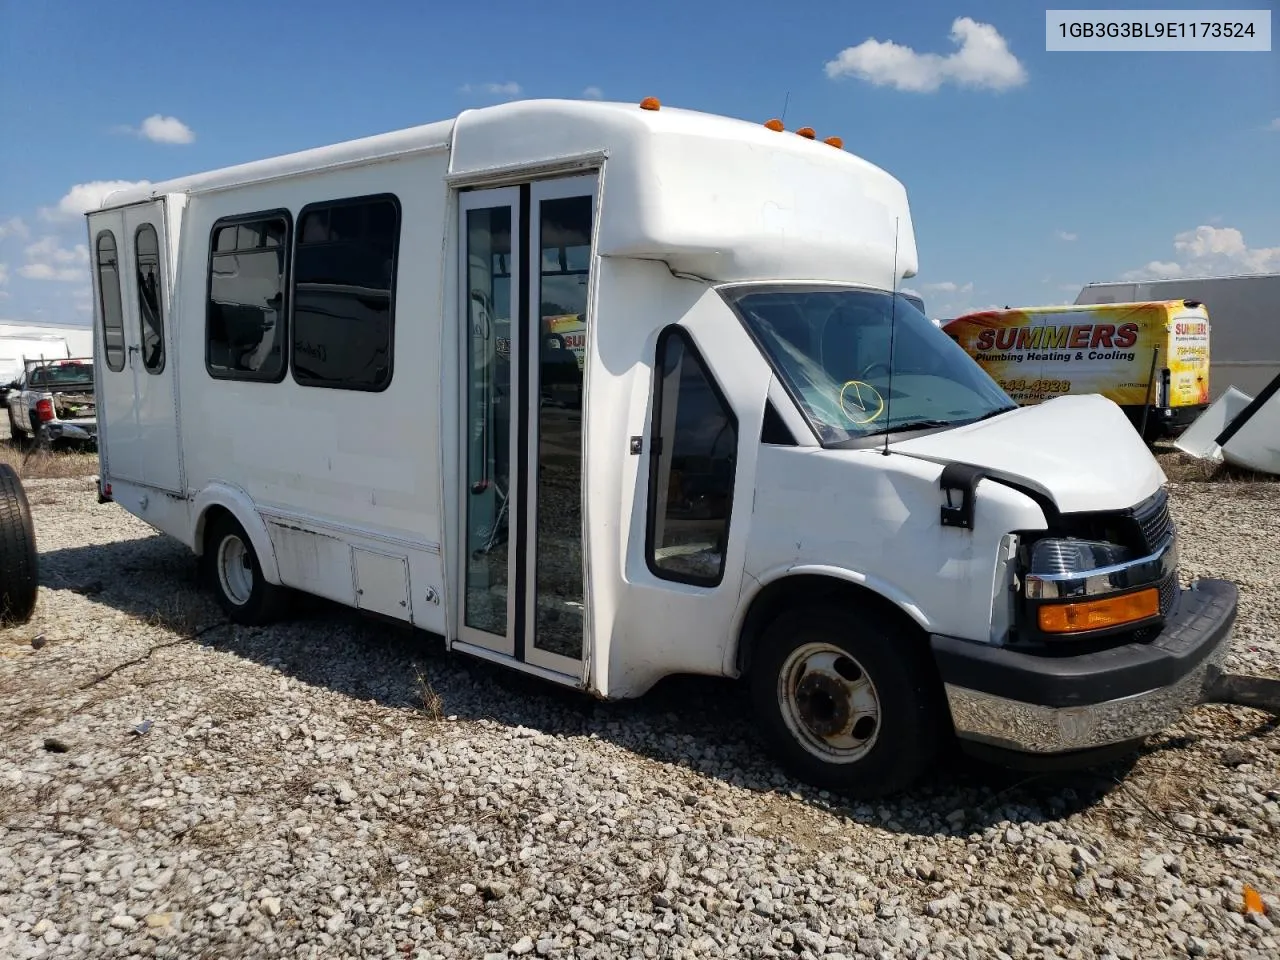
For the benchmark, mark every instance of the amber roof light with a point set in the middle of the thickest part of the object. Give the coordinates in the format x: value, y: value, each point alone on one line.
x: 650, y: 103
x: 775, y: 125
x: 806, y: 132
x: 834, y: 142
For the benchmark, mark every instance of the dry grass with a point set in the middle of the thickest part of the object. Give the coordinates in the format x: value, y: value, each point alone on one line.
x: 1184, y: 468
x: 43, y: 464
x: 432, y: 703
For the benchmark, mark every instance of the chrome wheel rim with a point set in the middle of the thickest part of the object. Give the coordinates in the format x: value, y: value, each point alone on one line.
x: 829, y: 703
x: 235, y: 570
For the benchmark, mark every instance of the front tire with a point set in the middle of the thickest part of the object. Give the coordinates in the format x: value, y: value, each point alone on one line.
x: 233, y: 568
x: 845, y: 700
x: 19, y: 561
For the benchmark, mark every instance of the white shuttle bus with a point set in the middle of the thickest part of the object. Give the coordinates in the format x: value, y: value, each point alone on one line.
x: 347, y: 372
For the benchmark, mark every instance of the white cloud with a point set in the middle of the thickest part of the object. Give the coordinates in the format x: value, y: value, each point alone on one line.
x: 1209, y: 251
x: 983, y: 61
x: 593, y: 93
x: 84, y: 197
x: 508, y: 89
x: 14, y: 227
x: 910, y: 292
x: 159, y: 129
x: 47, y: 260
x: 949, y: 286
x: 1065, y: 236
x: 1154, y: 270
x: 1274, y: 125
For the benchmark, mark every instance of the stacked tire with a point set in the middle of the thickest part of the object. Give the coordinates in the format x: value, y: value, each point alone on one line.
x: 19, y: 574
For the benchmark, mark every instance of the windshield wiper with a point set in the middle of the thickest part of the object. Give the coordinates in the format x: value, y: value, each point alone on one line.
x: 994, y: 413
x: 911, y: 425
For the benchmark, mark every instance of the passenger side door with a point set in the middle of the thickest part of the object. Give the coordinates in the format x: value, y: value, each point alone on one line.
x: 149, y: 343
x: 116, y: 412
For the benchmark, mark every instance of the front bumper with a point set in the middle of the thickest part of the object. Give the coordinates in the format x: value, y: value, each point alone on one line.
x: 1061, y: 705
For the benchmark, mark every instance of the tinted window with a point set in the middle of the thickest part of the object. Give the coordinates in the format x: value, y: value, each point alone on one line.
x: 150, y: 310
x: 692, y: 464
x: 109, y: 301
x: 244, y: 319
x: 67, y: 374
x: 343, y: 293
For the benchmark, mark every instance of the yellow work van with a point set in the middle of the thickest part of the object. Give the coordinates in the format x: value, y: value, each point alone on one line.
x: 1150, y: 358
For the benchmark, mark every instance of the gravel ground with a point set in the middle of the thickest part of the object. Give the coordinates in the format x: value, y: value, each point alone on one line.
x: 178, y: 787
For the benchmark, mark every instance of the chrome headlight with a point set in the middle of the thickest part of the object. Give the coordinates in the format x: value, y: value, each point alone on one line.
x: 1057, y: 558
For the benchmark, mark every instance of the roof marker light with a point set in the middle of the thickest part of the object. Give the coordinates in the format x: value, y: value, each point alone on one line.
x: 806, y: 132
x: 650, y: 103
x: 834, y: 142
x: 775, y: 125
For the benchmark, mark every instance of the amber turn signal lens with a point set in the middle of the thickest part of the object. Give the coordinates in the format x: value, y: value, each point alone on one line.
x: 1098, y: 614
x: 834, y: 142
x: 774, y: 125
x: 650, y: 103
x: 807, y: 132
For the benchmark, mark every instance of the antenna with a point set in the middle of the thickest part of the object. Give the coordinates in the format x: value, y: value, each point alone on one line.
x: 785, y: 104
x: 893, y: 323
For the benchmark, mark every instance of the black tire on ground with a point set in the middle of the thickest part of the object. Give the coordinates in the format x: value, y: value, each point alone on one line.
x: 16, y: 436
x: 251, y: 600
x: 817, y: 719
x: 19, y: 563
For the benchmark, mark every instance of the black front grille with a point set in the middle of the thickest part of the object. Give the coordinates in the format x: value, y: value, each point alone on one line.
x: 1154, y: 520
x: 1168, y: 594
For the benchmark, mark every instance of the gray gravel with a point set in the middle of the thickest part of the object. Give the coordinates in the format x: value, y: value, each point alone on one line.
x: 177, y: 787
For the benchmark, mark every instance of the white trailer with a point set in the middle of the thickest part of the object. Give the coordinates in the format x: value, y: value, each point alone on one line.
x: 333, y: 372
x: 1244, y: 310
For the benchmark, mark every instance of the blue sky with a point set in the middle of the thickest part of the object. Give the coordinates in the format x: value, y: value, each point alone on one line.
x: 1029, y: 173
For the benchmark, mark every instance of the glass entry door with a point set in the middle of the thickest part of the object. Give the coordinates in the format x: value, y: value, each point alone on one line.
x: 525, y: 274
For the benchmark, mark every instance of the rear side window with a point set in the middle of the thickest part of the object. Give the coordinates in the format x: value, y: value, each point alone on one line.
x: 693, y: 462
x: 109, y: 304
x: 344, y: 278
x: 146, y: 246
x: 246, y: 309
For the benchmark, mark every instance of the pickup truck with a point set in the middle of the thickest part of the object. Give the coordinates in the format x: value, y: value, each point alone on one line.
x: 53, y: 401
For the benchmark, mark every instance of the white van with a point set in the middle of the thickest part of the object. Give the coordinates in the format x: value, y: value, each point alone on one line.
x: 330, y: 372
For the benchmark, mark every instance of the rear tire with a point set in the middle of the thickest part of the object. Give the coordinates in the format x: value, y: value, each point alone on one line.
x: 19, y: 561
x: 16, y: 436
x: 233, y: 569
x: 846, y: 701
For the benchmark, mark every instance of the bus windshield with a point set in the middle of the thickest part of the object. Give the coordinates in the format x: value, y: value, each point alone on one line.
x: 830, y: 347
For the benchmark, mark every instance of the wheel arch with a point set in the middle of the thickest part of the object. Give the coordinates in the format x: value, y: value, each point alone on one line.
x: 224, y: 499
x: 811, y: 585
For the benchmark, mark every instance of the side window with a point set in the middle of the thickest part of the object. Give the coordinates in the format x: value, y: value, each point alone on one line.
x: 244, y: 315
x: 109, y: 300
x: 344, y: 279
x: 146, y: 246
x: 693, y: 458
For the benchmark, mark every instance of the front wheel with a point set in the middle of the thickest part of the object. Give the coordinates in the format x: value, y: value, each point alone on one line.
x: 845, y: 701
x: 233, y: 568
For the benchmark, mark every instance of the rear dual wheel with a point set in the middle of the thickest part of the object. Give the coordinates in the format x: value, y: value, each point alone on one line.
x: 845, y: 700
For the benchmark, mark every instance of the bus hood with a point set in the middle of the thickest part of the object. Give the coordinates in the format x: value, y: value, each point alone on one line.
x: 1080, y: 451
